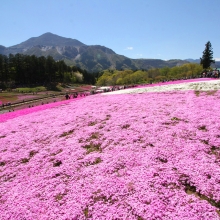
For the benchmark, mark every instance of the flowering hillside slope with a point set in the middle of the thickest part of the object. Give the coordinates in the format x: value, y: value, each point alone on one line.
x: 128, y: 156
x: 25, y: 111
x: 194, y: 84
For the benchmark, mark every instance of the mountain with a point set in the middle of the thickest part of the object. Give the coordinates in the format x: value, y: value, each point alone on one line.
x: 214, y: 65
x: 91, y: 58
x: 2, y: 49
x: 193, y: 60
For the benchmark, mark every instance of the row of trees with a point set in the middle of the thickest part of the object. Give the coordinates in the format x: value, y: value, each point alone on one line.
x: 189, y: 70
x: 125, y: 77
x: 31, y: 70
x: 27, y: 70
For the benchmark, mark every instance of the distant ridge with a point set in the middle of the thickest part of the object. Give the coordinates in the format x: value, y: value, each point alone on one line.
x: 193, y: 60
x: 92, y: 58
x: 49, y: 39
x: 214, y: 65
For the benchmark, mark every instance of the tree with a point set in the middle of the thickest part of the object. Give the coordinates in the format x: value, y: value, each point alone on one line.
x: 207, y: 57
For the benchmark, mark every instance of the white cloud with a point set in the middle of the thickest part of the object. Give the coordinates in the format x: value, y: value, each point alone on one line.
x: 129, y: 48
x: 139, y: 54
x: 217, y: 59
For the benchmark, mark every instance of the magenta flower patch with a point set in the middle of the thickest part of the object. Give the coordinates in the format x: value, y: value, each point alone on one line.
x: 133, y: 156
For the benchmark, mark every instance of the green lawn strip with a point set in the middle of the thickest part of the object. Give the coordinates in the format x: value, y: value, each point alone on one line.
x: 34, y: 89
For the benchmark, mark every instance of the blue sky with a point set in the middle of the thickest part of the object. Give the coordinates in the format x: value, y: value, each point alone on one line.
x: 159, y: 29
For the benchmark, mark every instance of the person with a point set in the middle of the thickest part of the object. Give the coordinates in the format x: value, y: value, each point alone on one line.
x: 67, y: 96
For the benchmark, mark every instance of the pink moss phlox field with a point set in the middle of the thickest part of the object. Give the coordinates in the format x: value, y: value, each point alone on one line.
x: 10, y: 115
x: 142, y: 156
x: 22, y: 97
x: 17, y: 113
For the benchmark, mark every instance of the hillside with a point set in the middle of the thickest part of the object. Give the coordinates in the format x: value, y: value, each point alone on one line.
x: 153, y: 155
x: 93, y: 58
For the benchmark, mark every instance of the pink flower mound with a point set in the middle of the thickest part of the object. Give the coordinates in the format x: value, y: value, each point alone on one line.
x: 142, y: 156
x: 10, y: 115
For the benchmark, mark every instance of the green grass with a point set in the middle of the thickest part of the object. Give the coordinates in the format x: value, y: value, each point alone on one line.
x: 59, y: 88
x: 34, y: 89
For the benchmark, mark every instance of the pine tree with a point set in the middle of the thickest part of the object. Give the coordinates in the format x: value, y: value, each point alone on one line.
x: 207, y: 57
